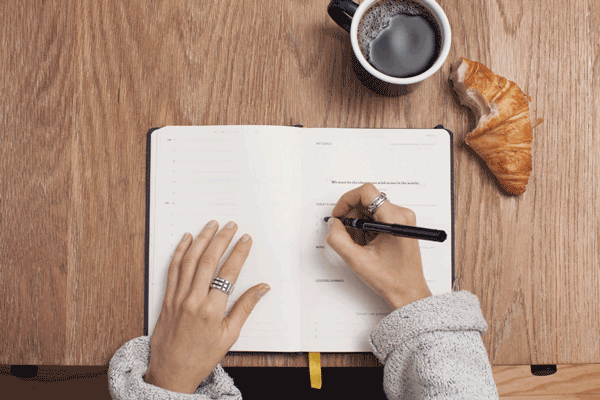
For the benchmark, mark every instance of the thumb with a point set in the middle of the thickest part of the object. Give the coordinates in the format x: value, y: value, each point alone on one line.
x: 341, y: 242
x: 242, y: 308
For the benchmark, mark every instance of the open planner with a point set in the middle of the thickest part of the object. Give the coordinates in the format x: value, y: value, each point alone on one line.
x: 278, y: 183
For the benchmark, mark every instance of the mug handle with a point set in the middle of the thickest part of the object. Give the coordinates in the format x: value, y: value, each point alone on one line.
x: 340, y: 11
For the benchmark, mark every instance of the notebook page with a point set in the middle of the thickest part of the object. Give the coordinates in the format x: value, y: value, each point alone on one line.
x: 246, y: 174
x: 413, y: 168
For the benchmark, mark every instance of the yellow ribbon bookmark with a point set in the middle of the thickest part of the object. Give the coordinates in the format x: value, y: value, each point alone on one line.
x: 314, y: 366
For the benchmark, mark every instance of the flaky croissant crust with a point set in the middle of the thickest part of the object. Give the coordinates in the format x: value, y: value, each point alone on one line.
x: 503, y: 135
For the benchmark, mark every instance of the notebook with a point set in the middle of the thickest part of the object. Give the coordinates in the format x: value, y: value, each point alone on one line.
x: 278, y: 183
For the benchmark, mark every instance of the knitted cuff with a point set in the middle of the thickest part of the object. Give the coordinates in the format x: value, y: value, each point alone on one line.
x: 130, y: 363
x: 455, y: 311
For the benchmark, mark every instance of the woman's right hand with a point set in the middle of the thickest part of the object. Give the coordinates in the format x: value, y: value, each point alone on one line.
x: 390, y: 265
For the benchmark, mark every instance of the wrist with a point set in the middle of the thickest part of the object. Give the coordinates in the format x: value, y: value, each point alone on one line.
x: 151, y: 379
x: 410, y: 297
x: 148, y: 378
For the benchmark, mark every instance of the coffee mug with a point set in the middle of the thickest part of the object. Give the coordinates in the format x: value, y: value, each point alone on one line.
x: 405, y: 41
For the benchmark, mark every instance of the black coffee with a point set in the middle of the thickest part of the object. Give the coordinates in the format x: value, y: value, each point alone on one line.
x: 399, y: 38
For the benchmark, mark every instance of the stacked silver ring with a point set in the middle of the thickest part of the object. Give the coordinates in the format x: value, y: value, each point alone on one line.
x: 222, y: 284
x: 379, y: 200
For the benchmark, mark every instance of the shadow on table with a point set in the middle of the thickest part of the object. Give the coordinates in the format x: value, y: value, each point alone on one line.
x: 91, y: 383
x: 294, y: 383
x: 56, y: 382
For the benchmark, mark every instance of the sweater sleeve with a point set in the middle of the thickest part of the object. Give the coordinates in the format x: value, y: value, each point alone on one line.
x: 432, y: 349
x: 128, y: 367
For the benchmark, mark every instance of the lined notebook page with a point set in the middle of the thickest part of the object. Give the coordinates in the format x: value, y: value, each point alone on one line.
x: 412, y: 167
x: 246, y: 174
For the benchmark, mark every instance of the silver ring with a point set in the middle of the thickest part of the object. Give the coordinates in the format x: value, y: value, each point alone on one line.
x: 222, y: 284
x: 379, y: 200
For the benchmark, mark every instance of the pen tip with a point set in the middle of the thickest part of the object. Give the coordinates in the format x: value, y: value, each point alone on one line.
x: 326, y: 218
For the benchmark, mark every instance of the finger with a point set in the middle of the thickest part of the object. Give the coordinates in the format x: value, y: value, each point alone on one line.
x: 240, y: 311
x: 230, y: 271
x: 362, y: 197
x: 189, y: 263
x: 209, y: 261
x: 343, y: 244
x: 173, y: 274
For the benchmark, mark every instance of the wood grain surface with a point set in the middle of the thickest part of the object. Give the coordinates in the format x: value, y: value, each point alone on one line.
x: 82, y: 82
x: 570, y: 382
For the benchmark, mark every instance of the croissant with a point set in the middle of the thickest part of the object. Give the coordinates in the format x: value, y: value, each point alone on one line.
x: 503, y: 134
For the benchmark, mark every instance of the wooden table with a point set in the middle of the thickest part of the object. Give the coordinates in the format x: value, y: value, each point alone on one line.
x: 82, y: 82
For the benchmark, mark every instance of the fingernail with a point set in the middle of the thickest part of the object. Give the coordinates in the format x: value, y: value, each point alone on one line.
x: 185, y: 236
x: 330, y: 223
x: 230, y: 224
x: 245, y: 238
x: 211, y: 224
x: 263, y: 291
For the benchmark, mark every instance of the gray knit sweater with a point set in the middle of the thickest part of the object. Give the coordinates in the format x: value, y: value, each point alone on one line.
x: 431, y: 349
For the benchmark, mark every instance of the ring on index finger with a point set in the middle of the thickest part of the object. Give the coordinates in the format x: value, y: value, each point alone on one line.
x: 375, y: 204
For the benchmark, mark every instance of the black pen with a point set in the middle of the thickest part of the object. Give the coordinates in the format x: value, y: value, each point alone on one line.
x: 413, y: 232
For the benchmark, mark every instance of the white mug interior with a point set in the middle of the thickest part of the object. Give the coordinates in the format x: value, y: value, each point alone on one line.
x: 442, y: 21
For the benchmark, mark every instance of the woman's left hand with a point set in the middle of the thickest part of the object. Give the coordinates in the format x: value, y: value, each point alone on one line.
x: 192, y: 335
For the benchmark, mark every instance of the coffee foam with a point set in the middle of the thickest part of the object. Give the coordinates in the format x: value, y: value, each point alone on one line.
x: 377, y: 17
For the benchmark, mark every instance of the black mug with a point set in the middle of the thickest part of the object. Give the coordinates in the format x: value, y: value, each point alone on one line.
x: 348, y: 14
